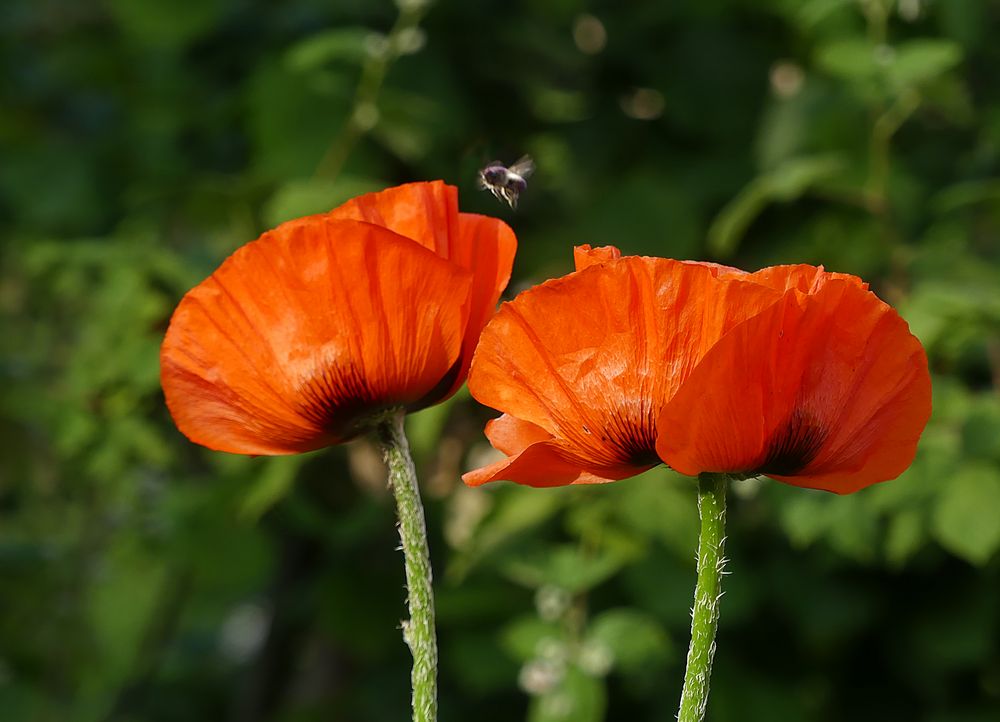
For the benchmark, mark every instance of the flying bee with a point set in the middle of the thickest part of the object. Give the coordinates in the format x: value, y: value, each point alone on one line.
x: 506, y: 183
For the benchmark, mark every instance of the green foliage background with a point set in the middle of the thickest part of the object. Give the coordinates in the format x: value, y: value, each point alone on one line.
x: 141, y: 141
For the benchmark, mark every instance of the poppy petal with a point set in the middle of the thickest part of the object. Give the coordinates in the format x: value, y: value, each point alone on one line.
x: 303, y: 334
x: 428, y: 213
x: 486, y: 247
x: 512, y: 435
x: 546, y: 464
x: 539, y: 465
x: 425, y: 212
x: 591, y: 357
x: 585, y: 256
x: 828, y: 391
x: 801, y: 277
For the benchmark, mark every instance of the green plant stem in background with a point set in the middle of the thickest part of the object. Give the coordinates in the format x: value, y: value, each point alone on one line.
x: 707, y: 593
x: 364, y: 111
x: 418, y: 632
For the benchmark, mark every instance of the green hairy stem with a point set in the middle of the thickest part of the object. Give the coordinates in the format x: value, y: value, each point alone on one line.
x: 707, y: 593
x: 418, y: 631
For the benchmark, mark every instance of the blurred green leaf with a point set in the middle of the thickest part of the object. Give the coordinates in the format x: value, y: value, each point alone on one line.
x: 336, y: 44
x: 271, y: 486
x: 965, y: 519
x: 565, y: 566
x: 966, y: 21
x: 306, y: 196
x: 813, y: 12
x: 405, y: 122
x: 516, y: 510
x: 522, y: 637
x: 663, y: 506
x: 165, y: 22
x: 634, y: 638
x: 806, y: 517
x: 555, y: 105
x: 960, y: 195
x: 981, y: 432
x: 787, y: 182
x: 423, y: 429
x: 293, y: 118
x: 848, y: 58
x: 908, y: 65
x: 906, y: 534
x: 921, y: 60
x: 121, y: 605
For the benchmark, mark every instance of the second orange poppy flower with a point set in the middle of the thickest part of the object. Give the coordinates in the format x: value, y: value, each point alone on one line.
x: 793, y: 372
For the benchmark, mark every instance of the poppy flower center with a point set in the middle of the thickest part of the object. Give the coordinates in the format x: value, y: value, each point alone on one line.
x: 625, y: 435
x: 793, y: 445
x: 338, y: 400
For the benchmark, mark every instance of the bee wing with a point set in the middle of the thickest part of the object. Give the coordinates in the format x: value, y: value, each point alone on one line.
x: 524, y: 166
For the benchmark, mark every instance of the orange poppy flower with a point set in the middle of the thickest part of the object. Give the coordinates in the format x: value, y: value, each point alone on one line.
x: 581, y: 365
x: 299, y: 338
x: 598, y: 372
x: 826, y: 390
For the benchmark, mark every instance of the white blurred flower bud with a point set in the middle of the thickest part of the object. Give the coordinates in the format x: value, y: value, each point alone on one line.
x: 410, y: 40
x: 909, y: 10
x: 411, y: 5
x: 540, y: 676
x: 596, y: 658
x: 589, y: 34
x: 243, y: 632
x: 786, y: 79
x: 376, y: 45
x: 643, y: 104
x: 552, y: 602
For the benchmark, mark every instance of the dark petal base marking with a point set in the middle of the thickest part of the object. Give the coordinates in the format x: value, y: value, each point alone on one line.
x: 793, y: 445
x: 628, y: 437
x: 440, y: 389
x: 339, y: 401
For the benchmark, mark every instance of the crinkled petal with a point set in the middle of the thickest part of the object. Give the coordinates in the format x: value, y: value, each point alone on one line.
x: 591, y: 357
x: 512, y: 435
x: 802, y: 277
x: 547, y: 464
x: 301, y: 335
x: 827, y: 390
x: 426, y: 212
x: 586, y: 256
x: 550, y: 464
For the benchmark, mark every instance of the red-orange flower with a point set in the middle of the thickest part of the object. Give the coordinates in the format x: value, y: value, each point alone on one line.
x: 632, y: 361
x: 826, y: 390
x: 299, y: 338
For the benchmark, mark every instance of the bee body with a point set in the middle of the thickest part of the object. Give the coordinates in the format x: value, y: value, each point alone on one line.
x: 506, y: 184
